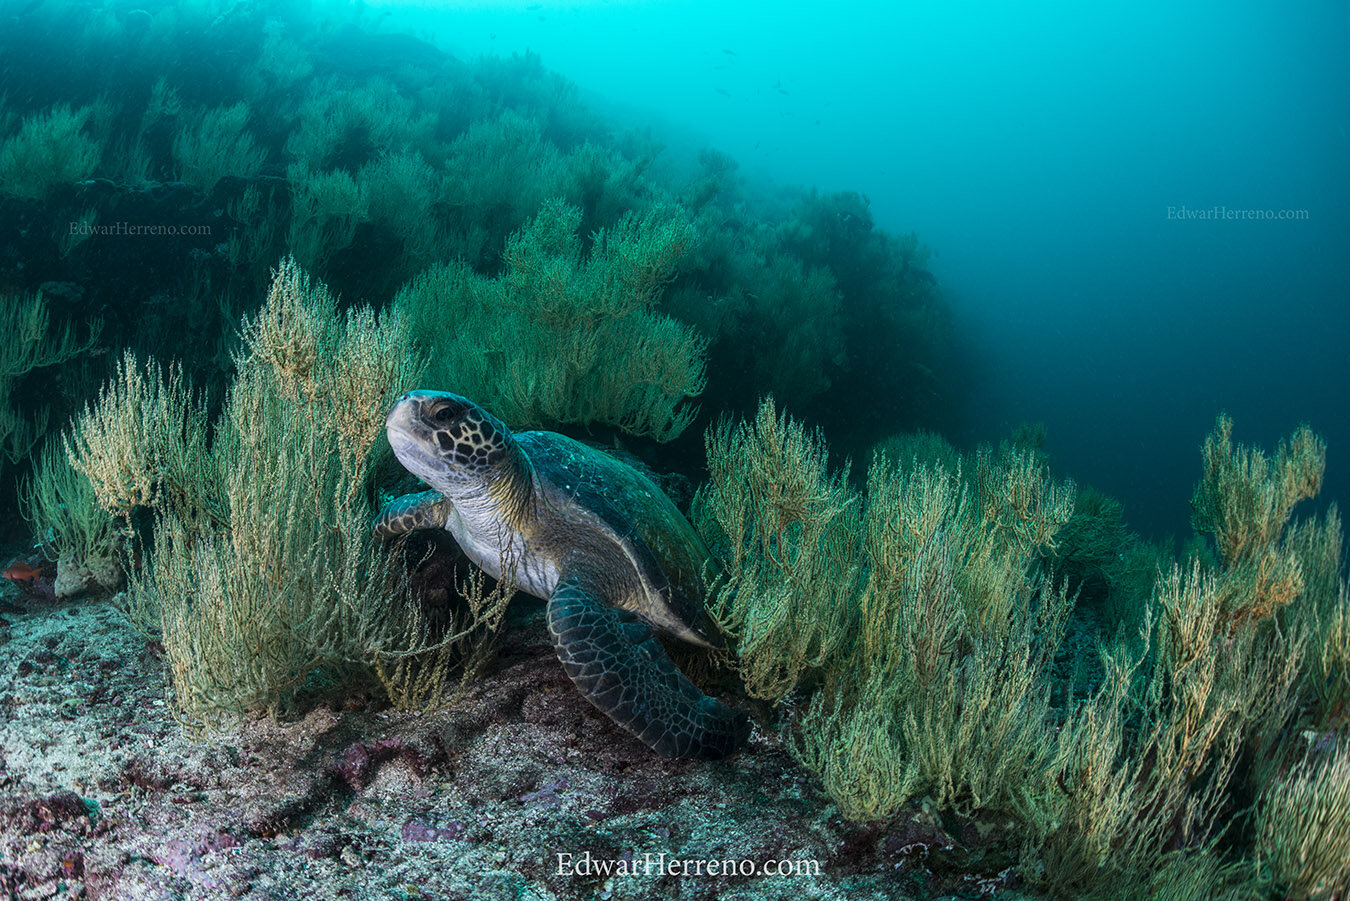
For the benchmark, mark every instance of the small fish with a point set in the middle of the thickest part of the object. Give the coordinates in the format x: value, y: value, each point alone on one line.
x: 19, y: 571
x: 724, y: 92
x: 728, y: 52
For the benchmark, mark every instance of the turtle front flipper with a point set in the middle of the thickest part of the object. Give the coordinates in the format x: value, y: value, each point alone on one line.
x: 617, y: 663
x: 410, y: 512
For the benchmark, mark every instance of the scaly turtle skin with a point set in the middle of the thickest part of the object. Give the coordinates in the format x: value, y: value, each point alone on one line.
x: 611, y: 554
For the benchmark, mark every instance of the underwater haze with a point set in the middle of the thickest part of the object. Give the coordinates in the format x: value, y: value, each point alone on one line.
x: 647, y: 450
x: 1049, y: 154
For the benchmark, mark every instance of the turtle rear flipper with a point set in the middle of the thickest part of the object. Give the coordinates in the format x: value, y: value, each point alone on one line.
x: 617, y: 663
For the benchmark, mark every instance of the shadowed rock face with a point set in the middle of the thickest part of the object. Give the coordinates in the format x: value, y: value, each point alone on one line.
x: 103, y: 793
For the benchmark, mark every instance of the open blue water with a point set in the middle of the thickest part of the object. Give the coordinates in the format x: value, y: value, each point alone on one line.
x: 1037, y: 149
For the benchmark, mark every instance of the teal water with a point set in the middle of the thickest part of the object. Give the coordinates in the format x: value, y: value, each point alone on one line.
x: 1037, y: 149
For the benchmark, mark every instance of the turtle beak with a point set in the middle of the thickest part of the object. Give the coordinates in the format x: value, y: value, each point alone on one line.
x: 408, y: 435
x: 402, y: 414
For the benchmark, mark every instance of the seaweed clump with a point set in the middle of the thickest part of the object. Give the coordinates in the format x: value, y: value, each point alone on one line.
x: 567, y: 335
x: 260, y: 571
x: 918, y: 627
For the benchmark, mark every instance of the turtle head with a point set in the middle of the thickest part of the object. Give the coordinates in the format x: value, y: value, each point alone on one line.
x: 446, y: 440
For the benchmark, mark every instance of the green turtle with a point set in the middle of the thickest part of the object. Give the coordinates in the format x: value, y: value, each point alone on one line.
x: 611, y: 554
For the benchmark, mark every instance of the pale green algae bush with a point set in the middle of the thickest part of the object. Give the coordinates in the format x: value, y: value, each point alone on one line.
x: 261, y: 570
x: 567, y: 334
x: 915, y: 624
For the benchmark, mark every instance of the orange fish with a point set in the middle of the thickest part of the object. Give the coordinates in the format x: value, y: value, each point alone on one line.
x: 21, y: 572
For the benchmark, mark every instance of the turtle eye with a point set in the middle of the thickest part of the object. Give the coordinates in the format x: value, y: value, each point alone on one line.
x: 442, y: 414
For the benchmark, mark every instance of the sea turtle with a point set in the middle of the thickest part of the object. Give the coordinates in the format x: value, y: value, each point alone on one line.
x: 611, y: 554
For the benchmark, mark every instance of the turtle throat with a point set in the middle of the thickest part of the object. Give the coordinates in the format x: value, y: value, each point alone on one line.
x: 510, y: 484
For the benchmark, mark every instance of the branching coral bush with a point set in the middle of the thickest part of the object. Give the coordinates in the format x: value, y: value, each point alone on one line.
x: 1224, y: 685
x: 345, y: 129
x: 261, y: 570
x: 259, y: 221
x: 893, y: 319
x: 795, y: 339
x: 1330, y: 676
x: 860, y: 754
x: 281, y: 68
x: 61, y: 505
x: 565, y: 335
x: 1244, y: 498
x: 399, y: 189
x: 909, y: 450
x: 326, y: 208
x: 955, y: 633
x: 604, y: 183
x: 1302, y: 827
x: 917, y: 608
x: 789, y: 532
x: 142, y: 444
x: 521, y: 83
x: 215, y: 143
x: 51, y: 148
x: 502, y: 170
x: 497, y: 175
x: 1111, y: 567
x: 29, y: 344
x: 1274, y: 566
x: 776, y: 324
x: 1128, y: 799
x: 1322, y: 613
x: 936, y: 673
